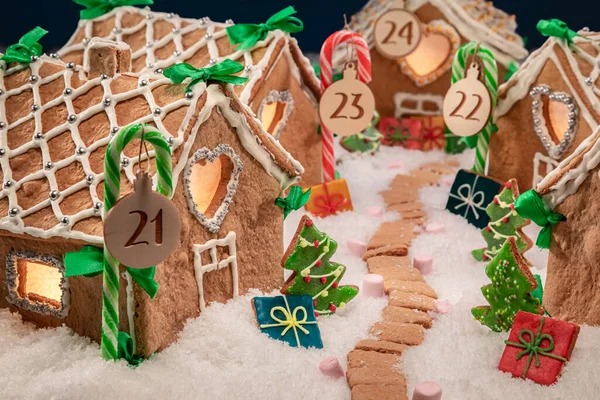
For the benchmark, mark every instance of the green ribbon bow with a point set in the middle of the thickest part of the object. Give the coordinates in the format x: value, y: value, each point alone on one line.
x: 27, y: 47
x: 556, y: 28
x: 222, y: 72
x: 89, y: 261
x: 295, y: 200
x: 512, y: 69
x: 530, y: 205
x: 249, y: 34
x: 96, y: 8
x: 125, y: 348
x: 534, y: 348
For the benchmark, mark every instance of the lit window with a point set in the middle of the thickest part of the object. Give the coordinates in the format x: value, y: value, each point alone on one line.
x: 274, y: 112
x: 211, y: 180
x: 37, y: 283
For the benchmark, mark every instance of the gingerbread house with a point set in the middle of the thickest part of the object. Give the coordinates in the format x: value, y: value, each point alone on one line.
x: 56, y: 120
x: 546, y: 109
x: 282, y: 88
x: 416, y: 84
x: 573, y: 280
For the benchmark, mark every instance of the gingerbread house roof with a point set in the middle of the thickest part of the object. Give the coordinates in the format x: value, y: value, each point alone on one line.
x: 568, y: 176
x: 579, y: 64
x: 475, y: 20
x: 159, y: 40
x: 55, y: 124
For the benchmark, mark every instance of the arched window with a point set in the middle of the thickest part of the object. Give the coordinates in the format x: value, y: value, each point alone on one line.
x: 275, y: 111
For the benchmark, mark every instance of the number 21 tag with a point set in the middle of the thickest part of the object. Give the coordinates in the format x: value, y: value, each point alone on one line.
x: 142, y: 228
x: 468, y: 105
x: 397, y: 33
x: 347, y: 106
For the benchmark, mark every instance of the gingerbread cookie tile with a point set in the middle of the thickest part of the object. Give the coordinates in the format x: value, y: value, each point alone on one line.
x: 381, y: 346
x: 423, y: 288
x: 404, y: 315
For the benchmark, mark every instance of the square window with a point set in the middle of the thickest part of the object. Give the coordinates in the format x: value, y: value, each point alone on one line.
x: 37, y: 283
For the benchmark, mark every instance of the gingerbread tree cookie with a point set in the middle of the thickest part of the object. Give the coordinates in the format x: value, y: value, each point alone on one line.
x: 510, y: 291
x: 504, y: 223
x: 314, y: 274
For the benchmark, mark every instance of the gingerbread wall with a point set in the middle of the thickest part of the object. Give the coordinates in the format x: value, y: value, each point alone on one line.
x: 388, y: 79
x: 573, y: 280
x: 513, y: 147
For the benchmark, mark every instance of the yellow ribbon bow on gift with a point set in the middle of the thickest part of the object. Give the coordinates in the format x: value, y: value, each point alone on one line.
x: 290, y: 320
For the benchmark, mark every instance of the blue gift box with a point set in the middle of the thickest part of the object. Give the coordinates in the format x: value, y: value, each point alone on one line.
x: 290, y: 319
x: 470, y: 195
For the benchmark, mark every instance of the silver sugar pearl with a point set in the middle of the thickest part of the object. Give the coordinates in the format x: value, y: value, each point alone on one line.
x: 106, y: 101
x: 149, y: 16
x: 205, y: 19
x: 170, y: 15
x: 229, y: 21
x: 116, y: 30
x: 143, y: 82
x: 2, y: 153
x: 212, y: 61
x: 170, y: 141
x: 124, y: 162
x: 33, y: 79
x: 72, y: 118
x: 2, y: 125
x: 54, y: 55
x: 64, y: 221
x: 149, y: 44
x: 34, y: 108
x: 97, y: 207
x: 114, y: 130
x: 585, y: 29
x: 158, y: 71
x: 89, y: 179
x: 589, y: 81
x: 13, y: 212
x: 150, y: 65
x: 104, y: 76
x: 208, y: 35
x: 38, y: 136
x: 49, y: 165
x: 70, y: 65
x: 85, y: 41
x: 54, y: 195
x: 1, y: 92
x: 189, y: 95
x: 147, y: 8
x: 81, y: 151
x: 176, y: 53
x: 157, y: 112
x: 248, y: 68
x: 68, y: 91
x: 176, y: 30
x: 33, y: 58
x: 8, y: 184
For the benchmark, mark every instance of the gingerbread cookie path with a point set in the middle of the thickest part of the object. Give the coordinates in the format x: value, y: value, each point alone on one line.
x: 373, y: 365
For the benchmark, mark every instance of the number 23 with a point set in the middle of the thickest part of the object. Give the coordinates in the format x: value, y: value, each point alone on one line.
x: 338, y: 111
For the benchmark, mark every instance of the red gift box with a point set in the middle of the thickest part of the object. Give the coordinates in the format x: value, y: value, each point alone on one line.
x: 433, y: 136
x: 406, y: 133
x: 538, y: 347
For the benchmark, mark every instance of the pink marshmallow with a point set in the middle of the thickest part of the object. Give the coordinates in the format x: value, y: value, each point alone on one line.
x: 447, y: 180
x: 442, y: 306
x: 427, y: 391
x: 423, y: 263
x: 375, y: 211
x: 331, y: 367
x: 395, y: 164
x: 372, y: 286
x: 356, y: 247
x: 434, y: 227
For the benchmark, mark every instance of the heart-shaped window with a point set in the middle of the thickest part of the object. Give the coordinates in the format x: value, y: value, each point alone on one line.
x: 275, y: 111
x: 211, y: 181
x: 555, y: 117
x: 433, y: 56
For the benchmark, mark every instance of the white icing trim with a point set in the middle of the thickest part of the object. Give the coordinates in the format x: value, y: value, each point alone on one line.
x: 231, y: 261
x: 538, y: 160
x: 420, y: 99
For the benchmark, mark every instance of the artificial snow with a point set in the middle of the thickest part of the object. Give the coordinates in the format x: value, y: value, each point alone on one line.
x: 223, y: 355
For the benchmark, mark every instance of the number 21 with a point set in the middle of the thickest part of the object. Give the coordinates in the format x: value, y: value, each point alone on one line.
x: 158, y: 239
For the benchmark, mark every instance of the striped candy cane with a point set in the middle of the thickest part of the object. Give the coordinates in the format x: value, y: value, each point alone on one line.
x: 112, y: 191
x: 491, y: 82
x: 364, y: 75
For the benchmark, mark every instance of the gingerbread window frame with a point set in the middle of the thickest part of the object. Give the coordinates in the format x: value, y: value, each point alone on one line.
x: 212, y: 222
x: 284, y: 105
x: 19, y: 294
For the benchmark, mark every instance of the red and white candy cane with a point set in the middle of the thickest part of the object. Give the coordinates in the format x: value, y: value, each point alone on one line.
x: 364, y: 75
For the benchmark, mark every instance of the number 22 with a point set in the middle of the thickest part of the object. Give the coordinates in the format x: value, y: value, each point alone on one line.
x: 463, y: 99
x: 158, y: 239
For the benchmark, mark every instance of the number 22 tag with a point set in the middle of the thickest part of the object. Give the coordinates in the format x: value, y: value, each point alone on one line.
x: 468, y: 105
x: 142, y: 228
x: 397, y: 33
x: 347, y: 106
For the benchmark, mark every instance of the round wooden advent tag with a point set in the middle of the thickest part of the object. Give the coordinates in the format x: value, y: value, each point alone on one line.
x: 397, y: 33
x: 142, y: 228
x: 347, y: 106
x: 468, y: 105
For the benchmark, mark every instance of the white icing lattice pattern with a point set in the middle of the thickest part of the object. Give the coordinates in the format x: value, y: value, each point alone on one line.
x: 214, y: 265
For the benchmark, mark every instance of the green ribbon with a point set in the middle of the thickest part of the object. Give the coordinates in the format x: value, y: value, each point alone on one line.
x: 89, y: 262
x: 533, y: 347
x: 530, y: 205
x: 97, y: 8
x: 295, y: 200
x: 222, y: 72
x: 27, y: 47
x: 512, y: 69
x: 556, y: 28
x: 125, y: 348
x: 247, y: 35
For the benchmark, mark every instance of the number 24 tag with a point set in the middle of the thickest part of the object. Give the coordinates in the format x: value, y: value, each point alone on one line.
x: 142, y: 228
x: 397, y: 33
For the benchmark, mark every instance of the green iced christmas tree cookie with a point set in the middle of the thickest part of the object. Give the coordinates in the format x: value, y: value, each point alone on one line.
x: 504, y: 223
x: 510, y: 291
x: 314, y: 274
x: 368, y: 141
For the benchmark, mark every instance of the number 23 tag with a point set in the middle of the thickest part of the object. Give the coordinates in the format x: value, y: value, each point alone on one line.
x: 142, y: 228
x: 397, y: 33
x: 347, y: 106
x: 468, y: 105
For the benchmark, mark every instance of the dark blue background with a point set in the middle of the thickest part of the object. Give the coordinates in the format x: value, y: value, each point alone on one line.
x: 321, y: 17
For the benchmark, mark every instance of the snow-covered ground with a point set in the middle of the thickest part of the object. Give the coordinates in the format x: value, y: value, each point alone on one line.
x: 222, y: 354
